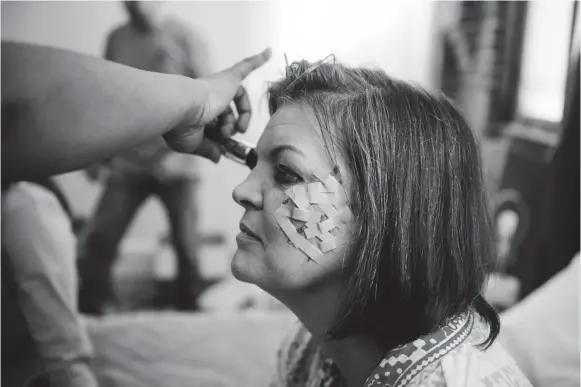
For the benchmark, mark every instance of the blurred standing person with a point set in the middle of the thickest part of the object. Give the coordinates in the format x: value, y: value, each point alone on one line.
x: 43, y: 336
x: 151, y: 42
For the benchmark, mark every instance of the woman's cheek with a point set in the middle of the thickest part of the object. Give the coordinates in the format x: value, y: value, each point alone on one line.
x: 273, y: 198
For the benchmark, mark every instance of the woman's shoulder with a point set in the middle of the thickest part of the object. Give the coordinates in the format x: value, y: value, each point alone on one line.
x: 449, y: 357
x: 482, y: 367
x: 472, y: 365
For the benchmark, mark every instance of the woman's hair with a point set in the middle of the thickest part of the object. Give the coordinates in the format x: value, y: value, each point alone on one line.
x: 422, y: 244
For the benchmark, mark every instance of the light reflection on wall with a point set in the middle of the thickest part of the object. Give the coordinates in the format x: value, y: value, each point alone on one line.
x: 393, y: 35
x: 545, y: 60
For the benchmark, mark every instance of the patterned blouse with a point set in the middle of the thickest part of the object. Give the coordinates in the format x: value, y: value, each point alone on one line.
x: 448, y: 357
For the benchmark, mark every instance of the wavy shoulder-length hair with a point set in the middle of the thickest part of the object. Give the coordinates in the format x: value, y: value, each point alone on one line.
x: 423, y: 244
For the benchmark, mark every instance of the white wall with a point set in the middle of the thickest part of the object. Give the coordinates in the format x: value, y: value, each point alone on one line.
x: 394, y: 35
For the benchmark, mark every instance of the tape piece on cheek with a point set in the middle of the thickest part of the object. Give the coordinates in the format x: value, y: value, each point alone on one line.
x: 326, y: 225
x: 332, y: 185
x: 328, y: 209
x: 319, y: 194
x: 300, y: 197
x: 288, y: 228
x: 322, y: 206
x: 311, y: 231
x: 328, y: 181
x: 296, y: 239
x: 327, y: 245
x: 311, y: 251
x: 307, y: 216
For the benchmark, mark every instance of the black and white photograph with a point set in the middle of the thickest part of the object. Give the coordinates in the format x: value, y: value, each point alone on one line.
x: 290, y: 193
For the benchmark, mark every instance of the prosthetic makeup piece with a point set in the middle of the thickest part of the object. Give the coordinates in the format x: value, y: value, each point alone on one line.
x: 316, y: 216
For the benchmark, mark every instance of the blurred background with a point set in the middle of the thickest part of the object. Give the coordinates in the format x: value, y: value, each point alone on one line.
x: 231, y: 30
x: 512, y: 67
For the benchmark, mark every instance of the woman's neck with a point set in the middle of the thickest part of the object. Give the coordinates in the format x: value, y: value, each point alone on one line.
x: 356, y: 356
x: 142, y: 25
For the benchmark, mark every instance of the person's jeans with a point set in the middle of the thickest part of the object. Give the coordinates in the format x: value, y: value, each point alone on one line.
x: 122, y: 196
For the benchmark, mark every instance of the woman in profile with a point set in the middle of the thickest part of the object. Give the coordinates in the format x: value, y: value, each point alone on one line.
x: 366, y: 216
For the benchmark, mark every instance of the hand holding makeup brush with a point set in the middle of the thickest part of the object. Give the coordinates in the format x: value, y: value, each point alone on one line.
x: 216, y: 96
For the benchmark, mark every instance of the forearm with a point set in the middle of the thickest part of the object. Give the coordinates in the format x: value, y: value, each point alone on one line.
x: 62, y: 110
x: 198, y: 65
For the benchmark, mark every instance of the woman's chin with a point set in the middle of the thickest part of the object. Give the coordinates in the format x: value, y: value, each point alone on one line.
x: 244, y: 266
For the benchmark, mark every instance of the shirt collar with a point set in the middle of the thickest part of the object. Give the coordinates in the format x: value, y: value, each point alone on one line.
x: 401, y: 364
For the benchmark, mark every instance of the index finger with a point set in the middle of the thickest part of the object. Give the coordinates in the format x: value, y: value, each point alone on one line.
x: 243, y: 108
x: 248, y: 65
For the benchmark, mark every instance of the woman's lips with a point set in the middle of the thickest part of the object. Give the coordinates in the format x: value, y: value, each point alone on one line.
x: 247, y: 232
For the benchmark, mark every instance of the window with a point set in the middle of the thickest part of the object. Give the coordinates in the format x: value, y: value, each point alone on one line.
x: 545, y: 60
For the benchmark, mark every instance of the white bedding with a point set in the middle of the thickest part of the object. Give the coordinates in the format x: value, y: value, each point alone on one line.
x: 238, y: 349
x: 179, y: 349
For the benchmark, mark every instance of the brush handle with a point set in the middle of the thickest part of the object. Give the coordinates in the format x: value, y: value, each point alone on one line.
x: 237, y: 150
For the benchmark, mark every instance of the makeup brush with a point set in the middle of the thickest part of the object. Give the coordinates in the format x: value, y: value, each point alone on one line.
x: 240, y: 151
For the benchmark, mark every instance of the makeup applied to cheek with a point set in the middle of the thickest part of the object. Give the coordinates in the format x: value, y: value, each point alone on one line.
x: 314, y: 216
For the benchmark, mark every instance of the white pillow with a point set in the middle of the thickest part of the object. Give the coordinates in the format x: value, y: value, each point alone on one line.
x: 542, y: 331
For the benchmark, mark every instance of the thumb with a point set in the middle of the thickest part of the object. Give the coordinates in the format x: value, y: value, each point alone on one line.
x: 209, y: 150
x: 184, y: 140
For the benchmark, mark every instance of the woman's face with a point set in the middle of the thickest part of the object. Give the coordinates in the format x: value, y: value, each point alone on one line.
x: 289, y: 151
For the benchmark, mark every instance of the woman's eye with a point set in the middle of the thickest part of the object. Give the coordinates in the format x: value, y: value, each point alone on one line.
x: 284, y: 176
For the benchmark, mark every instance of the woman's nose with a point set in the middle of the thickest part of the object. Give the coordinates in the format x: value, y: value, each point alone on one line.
x: 248, y: 193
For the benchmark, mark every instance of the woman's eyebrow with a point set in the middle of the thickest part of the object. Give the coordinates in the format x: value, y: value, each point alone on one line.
x: 281, y: 148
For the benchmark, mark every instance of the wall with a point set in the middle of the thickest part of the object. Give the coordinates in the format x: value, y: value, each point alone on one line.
x: 394, y: 35
x: 546, y: 60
